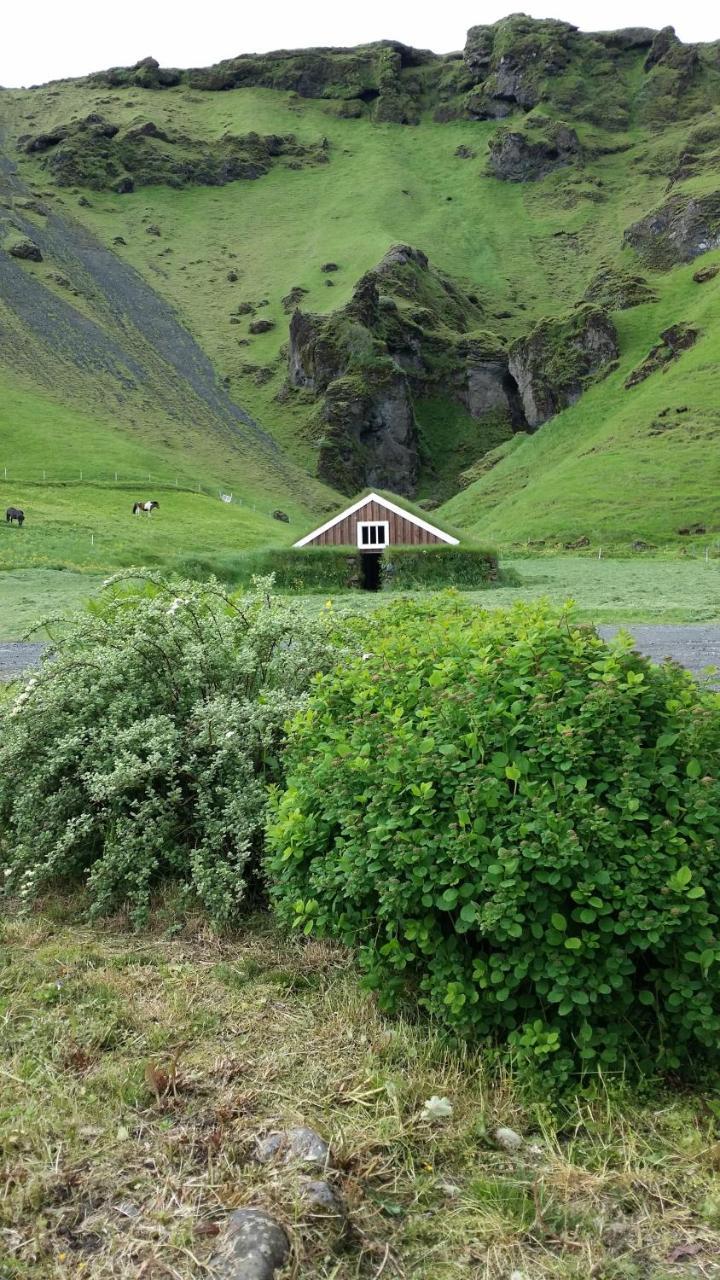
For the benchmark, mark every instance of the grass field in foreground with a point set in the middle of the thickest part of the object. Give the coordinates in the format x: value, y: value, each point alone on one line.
x: 686, y: 590
x: 102, y: 1177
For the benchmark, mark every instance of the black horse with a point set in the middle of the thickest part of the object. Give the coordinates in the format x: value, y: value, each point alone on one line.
x: 14, y: 513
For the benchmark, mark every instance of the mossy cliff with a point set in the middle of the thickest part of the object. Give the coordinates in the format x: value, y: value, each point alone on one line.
x: 554, y: 364
x: 408, y: 332
x: 510, y: 66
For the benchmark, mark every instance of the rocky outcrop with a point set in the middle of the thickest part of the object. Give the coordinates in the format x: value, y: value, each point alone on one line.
x: 376, y: 77
x: 521, y: 157
x: 673, y: 341
x: 96, y: 153
x: 626, y: 39
x: 679, y: 231
x: 617, y: 290
x: 407, y: 333
x: 370, y: 433
x: 513, y: 57
x: 556, y: 361
x: 146, y: 74
x: 508, y: 67
x: 23, y: 247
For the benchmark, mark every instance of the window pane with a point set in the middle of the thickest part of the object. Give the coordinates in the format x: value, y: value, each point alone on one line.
x: 373, y: 534
x: 364, y: 532
x: 381, y: 533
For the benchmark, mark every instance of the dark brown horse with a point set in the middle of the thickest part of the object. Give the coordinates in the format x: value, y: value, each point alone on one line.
x: 14, y: 513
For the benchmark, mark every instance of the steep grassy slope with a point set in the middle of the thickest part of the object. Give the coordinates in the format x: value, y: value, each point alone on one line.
x: 339, y: 179
x: 623, y: 464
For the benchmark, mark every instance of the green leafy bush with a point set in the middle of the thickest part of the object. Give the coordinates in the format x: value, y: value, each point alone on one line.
x: 517, y: 826
x: 143, y: 749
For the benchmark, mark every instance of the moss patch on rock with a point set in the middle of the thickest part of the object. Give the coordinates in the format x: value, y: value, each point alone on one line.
x: 96, y: 153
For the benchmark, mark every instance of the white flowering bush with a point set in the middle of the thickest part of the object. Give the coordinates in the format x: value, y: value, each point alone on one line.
x: 144, y: 747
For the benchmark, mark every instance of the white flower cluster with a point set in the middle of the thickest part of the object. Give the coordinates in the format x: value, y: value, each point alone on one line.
x: 23, y: 696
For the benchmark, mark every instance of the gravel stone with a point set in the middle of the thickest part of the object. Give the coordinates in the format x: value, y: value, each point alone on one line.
x: 300, y: 1145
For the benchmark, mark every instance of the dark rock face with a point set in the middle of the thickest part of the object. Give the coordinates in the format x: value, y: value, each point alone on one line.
x: 519, y: 157
x: 626, y: 38
x: 679, y: 231
x: 371, y: 434
x: 514, y: 57
x: 555, y: 362
x: 313, y: 357
x: 254, y: 1247
x: 673, y: 341
x: 261, y: 326
x: 490, y: 387
x: 663, y: 41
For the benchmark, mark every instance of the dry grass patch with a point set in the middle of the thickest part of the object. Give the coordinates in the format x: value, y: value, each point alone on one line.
x: 138, y: 1071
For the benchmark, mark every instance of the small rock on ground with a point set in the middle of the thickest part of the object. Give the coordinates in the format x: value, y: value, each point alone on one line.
x: 508, y: 1139
x: 254, y: 1247
x: 300, y: 1144
x: 322, y: 1198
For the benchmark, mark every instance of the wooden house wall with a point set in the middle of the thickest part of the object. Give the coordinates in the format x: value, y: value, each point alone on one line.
x: 402, y: 532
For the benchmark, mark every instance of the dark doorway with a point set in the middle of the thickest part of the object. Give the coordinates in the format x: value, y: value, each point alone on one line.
x: 370, y: 570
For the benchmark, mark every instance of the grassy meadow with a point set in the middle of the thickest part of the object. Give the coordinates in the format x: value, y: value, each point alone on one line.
x: 111, y: 1170
x: 683, y: 590
x: 91, y: 528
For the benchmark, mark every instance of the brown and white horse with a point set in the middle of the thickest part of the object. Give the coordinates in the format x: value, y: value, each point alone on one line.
x: 146, y: 507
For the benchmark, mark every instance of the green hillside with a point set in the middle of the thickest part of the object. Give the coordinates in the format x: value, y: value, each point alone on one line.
x: 159, y: 229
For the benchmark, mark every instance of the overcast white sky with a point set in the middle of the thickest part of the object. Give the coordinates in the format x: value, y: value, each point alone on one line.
x: 53, y: 39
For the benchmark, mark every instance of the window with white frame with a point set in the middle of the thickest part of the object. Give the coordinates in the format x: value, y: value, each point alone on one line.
x: 373, y: 535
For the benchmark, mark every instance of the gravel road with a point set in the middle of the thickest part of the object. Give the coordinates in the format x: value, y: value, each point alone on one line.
x: 17, y: 656
x: 695, y: 647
